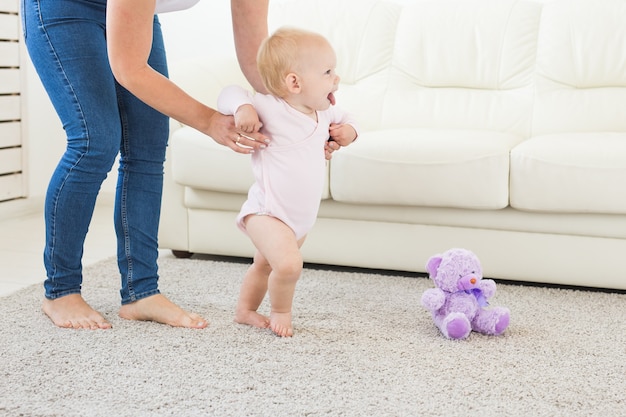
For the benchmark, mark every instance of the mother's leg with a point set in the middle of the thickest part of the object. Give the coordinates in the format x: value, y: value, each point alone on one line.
x: 66, y: 42
x: 145, y: 133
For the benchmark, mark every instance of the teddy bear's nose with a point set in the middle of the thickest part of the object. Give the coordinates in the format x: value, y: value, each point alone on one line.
x: 473, y: 280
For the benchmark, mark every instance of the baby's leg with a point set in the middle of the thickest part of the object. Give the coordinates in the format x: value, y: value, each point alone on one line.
x: 278, y: 245
x: 252, y: 292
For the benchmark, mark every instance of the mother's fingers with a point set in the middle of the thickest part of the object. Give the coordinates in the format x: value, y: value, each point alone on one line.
x: 223, y: 130
x: 251, y: 140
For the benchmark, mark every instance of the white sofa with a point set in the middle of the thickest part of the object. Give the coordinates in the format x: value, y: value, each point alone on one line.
x: 494, y: 125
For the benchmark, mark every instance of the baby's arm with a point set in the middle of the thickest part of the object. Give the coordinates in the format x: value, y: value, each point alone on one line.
x: 247, y: 119
x: 343, y: 128
x: 237, y: 101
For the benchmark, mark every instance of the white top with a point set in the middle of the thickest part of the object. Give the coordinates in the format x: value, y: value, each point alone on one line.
x: 164, y: 6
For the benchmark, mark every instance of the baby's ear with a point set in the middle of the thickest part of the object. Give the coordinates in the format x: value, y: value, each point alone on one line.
x: 292, y: 81
x: 432, y: 265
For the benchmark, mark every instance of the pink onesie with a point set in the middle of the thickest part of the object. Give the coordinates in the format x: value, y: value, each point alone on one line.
x: 289, y: 174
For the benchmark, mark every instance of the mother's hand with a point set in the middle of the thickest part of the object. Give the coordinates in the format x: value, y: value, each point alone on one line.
x: 222, y: 130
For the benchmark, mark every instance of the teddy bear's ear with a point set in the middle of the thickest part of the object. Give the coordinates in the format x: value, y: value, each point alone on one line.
x: 433, y: 264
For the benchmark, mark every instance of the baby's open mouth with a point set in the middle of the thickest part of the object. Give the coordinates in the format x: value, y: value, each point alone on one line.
x: 331, y: 98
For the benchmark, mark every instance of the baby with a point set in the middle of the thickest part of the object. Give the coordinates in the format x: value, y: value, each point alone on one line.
x: 298, y: 69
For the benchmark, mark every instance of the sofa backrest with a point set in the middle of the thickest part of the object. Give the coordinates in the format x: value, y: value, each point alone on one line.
x: 581, y: 67
x: 524, y: 67
x: 464, y: 64
x: 428, y: 63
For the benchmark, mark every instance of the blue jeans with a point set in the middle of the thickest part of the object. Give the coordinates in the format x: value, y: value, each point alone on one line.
x: 67, y: 45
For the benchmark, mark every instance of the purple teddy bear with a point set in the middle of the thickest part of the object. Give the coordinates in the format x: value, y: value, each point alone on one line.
x: 459, y: 302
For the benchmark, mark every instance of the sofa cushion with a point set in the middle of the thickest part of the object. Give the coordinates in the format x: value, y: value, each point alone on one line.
x: 425, y: 167
x: 200, y: 162
x: 463, y: 65
x: 581, y: 67
x: 570, y: 173
x: 488, y: 44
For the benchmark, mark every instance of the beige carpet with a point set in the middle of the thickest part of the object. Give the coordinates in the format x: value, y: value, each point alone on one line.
x: 363, y: 347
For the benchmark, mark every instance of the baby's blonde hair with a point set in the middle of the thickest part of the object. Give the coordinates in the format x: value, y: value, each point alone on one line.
x: 280, y: 54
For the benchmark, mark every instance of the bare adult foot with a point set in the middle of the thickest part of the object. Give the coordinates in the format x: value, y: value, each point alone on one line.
x: 72, y: 311
x: 159, y: 309
x: 252, y: 318
x: 280, y: 323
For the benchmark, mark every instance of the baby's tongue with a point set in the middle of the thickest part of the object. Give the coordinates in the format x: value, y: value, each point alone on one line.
x: 331, y: 98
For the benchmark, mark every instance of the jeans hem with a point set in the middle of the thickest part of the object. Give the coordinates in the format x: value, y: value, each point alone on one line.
x: 137, y: 297
x: 61, y: 294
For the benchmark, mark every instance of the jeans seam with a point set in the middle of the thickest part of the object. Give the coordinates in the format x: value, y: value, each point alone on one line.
x: 124, y: 201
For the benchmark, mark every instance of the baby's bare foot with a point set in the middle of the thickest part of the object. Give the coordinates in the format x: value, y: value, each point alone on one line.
x: 159, y: 309
x: 72, y: 311
x: 280, y: 323
x: 252, y: 318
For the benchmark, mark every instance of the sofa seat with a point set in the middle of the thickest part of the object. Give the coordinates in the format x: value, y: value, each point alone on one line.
x: 570, y: 173
x: 425, y: 168
x: 465, y: 169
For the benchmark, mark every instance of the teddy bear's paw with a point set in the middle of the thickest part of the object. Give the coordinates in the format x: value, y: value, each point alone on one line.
x: 456, y: 326
x: 503, y: 321
x: 492, y: 321
x: 433, y: 299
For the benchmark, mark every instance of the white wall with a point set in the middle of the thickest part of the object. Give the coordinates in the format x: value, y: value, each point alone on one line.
x: 43, y: 138
x: 193, y: 31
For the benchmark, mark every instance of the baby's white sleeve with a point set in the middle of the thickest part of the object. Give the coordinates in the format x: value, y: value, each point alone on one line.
x: 231, y: 98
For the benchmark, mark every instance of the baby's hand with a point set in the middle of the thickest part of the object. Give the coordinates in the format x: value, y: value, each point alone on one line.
x: 342, y: 134
x: 329, y: 147
x: 247, y: 119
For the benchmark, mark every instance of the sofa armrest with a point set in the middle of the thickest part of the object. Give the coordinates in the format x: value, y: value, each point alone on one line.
x: 203, y: 79
x: 174, y: 224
